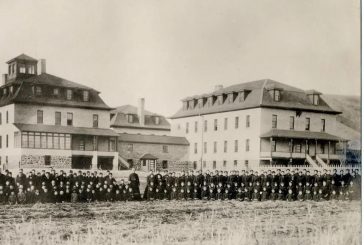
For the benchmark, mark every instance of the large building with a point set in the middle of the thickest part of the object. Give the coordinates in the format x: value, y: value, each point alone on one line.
x: 257, y: 124
x: 46, y: 120
x: 144, y: 140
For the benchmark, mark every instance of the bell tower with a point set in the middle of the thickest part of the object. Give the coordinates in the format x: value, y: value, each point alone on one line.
x: 22, y: 66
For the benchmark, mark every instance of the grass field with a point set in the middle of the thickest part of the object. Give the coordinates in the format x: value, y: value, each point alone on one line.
x: 195, y: 222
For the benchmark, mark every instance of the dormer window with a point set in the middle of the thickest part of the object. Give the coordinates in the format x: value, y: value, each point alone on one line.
x: 130, y: 118
x: 31, y: 69
x: 5, y: 91
x: 277, y: 95
x: 230, y: 98
x: 220, y: 99
x: 316, y: 99
x: 200, y: 103
x: 86, y: 95
x: 185, y: 105
x: 210, y: 101
x: 56, y: 91
x: 11, y: 89
x: 191, y: 104
x: 157, y: 120
x: 38, y: 90
x: 69, y: 94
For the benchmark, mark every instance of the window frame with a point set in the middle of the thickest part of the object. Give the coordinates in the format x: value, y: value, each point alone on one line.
x: 40, y: 117
x: 69, y: 119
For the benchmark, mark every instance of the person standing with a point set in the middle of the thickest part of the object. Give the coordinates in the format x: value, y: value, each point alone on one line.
x: 134, y: 184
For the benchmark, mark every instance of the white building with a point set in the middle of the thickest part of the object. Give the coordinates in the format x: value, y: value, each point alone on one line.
x: 258, y: 123
x: 48, y: 121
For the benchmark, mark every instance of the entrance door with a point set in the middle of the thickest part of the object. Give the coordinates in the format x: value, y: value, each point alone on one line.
x: 151, y: 165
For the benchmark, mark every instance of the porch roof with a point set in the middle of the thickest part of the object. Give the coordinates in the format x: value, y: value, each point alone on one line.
x: 65, y: 129
x: 292, y: 134
x: 148, y: 156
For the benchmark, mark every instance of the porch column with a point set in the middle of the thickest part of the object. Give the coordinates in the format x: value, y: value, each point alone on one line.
x: 328, y: 154
x: 306, y: 151
x: 315, y: 147
x: 291, y: 148
x: 94, y: 160
x: 271, y: 154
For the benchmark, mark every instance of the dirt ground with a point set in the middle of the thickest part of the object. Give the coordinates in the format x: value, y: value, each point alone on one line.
x: 173, y: 222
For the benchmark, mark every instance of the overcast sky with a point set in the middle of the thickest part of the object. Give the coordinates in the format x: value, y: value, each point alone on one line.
x: 167, y: 50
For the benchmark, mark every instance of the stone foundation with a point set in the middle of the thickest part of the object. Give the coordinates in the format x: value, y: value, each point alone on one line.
x: 38, y: 161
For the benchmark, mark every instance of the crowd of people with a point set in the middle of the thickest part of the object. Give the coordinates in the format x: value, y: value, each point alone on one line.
x: 92, y: 186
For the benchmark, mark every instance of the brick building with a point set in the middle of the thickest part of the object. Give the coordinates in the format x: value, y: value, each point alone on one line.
x: 144, y: 141
x: 46, y: 120
x: 259, y: 123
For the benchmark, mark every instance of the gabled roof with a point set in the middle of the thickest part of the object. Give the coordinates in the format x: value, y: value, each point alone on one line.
x: 152, y: 139
x: 22, y: 57
x: 119, y: 119
x: 258, y: 96
x: 293, y: 134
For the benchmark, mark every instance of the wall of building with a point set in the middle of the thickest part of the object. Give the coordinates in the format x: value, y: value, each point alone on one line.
x: 81, y: 117
x: 242, y: 133
x: 175, y: 155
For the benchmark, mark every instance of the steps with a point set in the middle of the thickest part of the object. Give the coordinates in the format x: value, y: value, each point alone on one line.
x: 123, y: 162
x: 312, y: 162
x: 321, y: 162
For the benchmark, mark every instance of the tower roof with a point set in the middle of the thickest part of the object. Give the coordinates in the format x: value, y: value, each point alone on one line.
x: 22, y: 57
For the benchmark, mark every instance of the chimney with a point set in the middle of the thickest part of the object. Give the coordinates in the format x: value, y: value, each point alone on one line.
x: 5, y: 79
x: 141, y: 111
x: 43, y: 66
x: 218, y: 87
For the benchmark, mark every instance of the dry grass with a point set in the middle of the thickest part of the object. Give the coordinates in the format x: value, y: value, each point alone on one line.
x: 174, y: 222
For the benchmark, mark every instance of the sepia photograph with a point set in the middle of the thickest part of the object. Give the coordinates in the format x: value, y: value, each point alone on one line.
x: 180, y: 122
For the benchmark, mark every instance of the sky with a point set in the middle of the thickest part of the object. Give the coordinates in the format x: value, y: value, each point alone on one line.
x: 166, y: 50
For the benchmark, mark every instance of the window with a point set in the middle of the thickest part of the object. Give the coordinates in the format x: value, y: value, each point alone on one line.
x: 247, y: 121
x: 165, y: 149
x: 112, y: 145
x: 307, y: 124
x: 157, y: 120
x: 194, y: 165
x: 49, y: 140
x: 236, y: 146
x: 24, y: 140
x: 214, y: 164
x: 11, y: 89
x: 67, y: 142
x: 236, y: 122
x: 225, y: 123
x: 5, y: 91
x: 69, y: 94
x: 277, y: 95
x: 246, y: 163
x: 22, y: 69
x: 38, y: 90
x: 247, y: 146
x: 1, y: 142
x: 61, y: 141
x: 39, y: 116
x: 195, y: 148
x: 204, y: 164
x: 82, y: 145
x: 69, y: 119
x: 95, y: 120
x: 56, y: 91
x: 57, y: 118
x: 273, y: 146
x: 37, y: 140
x: 187, y: 127
x: 322, y: 148
x: 205, y: 126
x: 164, y: 164
x: 1, y: 118
x: 130, y: 118
x: 274, y: 121
x: 291, y: 122
x: 196, y: 126
x: 316, y: 99
x: 323, y: 125
x: 47, y: 160
x: 224, y: 163
x: 56, y: 141
x: 129, y: 147
x: 31, y: 140
x: 297, y: 148
x: 205, y: 147
x: 86, y: 95
x: 43, y: 140
x: 235, y: 163
x: 215, y: 124
x: 215, y: 147
x: 225, y: 146
x: 7, y: 117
